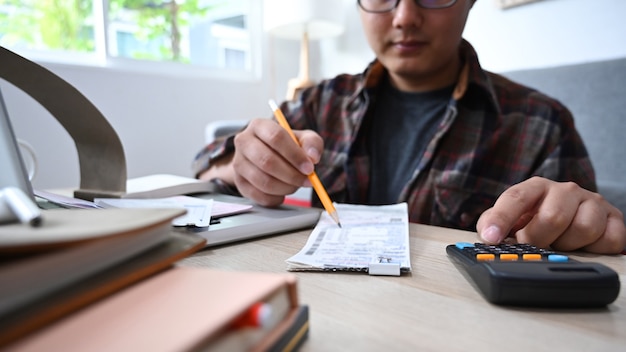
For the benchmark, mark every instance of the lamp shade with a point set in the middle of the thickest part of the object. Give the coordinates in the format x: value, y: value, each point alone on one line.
x: 290, y: 19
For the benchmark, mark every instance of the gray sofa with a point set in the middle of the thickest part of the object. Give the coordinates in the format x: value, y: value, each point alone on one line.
x: 594, y: 93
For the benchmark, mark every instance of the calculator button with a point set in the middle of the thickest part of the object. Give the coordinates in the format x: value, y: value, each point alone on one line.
x: 531, y: 256
x: 482, y: 257
x: 463, y: 245
x: 509, y: 257
x: 558, y: 258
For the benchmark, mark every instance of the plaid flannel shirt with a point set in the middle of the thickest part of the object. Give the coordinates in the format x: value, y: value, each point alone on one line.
x: 495, y: 133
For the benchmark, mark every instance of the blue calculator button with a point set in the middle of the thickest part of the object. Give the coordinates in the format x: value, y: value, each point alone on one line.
x: 461, y: 245
x: 557, y: 258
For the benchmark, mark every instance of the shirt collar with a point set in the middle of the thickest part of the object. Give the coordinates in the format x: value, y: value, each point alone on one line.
x: 472, y: 76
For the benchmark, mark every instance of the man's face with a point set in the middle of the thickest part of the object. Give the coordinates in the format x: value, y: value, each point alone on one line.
x: 418, y: 46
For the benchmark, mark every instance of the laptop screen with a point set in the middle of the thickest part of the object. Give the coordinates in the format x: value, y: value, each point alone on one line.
x: 13, y: 172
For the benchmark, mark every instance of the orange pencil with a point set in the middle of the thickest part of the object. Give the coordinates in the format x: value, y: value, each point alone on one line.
x: 315, y: 181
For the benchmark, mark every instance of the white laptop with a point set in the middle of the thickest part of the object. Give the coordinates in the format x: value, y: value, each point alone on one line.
x: 260, y: 221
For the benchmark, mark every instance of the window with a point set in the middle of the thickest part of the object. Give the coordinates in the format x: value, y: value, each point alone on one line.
x: 193, y: 33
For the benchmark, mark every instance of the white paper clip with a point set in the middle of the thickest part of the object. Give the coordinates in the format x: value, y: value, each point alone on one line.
x: 384, y: 266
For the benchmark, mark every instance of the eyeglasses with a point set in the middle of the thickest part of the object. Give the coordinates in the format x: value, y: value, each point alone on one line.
x: 382, y: 6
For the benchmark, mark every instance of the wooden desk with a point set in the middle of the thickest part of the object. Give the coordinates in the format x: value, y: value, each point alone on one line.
x: 432, y: 309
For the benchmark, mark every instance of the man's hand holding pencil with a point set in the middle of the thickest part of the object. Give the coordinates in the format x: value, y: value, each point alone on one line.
x: 267, y: 165
x: 315, y: 181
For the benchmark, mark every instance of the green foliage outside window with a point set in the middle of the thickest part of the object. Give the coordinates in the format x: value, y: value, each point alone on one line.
x: 160, y: 19
x: 68, y: 24
x: 47, y: 24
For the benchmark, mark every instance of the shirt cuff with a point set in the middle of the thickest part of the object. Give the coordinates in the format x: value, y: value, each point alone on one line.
x: 212, y: 152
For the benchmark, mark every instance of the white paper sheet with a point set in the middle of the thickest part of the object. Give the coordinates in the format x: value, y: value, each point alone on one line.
x: 199, y: 211
x: 368, y: 234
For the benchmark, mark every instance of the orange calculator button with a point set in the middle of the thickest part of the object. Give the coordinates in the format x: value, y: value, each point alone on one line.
x: 482, y: 257
x: 531, y: 256
x: 509, y: 257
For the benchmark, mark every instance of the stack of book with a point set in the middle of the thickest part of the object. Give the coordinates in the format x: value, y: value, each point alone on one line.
x: 78, y: 257
x: 105, y: 280
x: 186, y: 309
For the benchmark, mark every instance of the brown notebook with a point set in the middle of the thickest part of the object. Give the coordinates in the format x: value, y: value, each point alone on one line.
x: 47, y: 280
x: 183, y: 309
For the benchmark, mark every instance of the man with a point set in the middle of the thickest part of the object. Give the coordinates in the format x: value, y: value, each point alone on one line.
x: 424, y: 124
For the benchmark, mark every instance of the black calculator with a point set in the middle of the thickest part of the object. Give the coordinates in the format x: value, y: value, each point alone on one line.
x: 524, y: 275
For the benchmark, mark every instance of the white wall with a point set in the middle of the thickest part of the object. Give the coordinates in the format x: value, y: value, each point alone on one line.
x: 547, y: 33
x: 541, y: 34
x: 160, y: 118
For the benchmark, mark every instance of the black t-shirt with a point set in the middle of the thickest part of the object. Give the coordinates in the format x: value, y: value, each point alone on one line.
x: 402, y: 126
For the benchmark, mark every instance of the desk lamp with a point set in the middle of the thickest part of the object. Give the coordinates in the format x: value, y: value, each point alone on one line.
x: 302, y: 20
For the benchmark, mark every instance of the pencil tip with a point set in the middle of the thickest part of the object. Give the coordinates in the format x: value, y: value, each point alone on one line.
x: 336, y: 218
